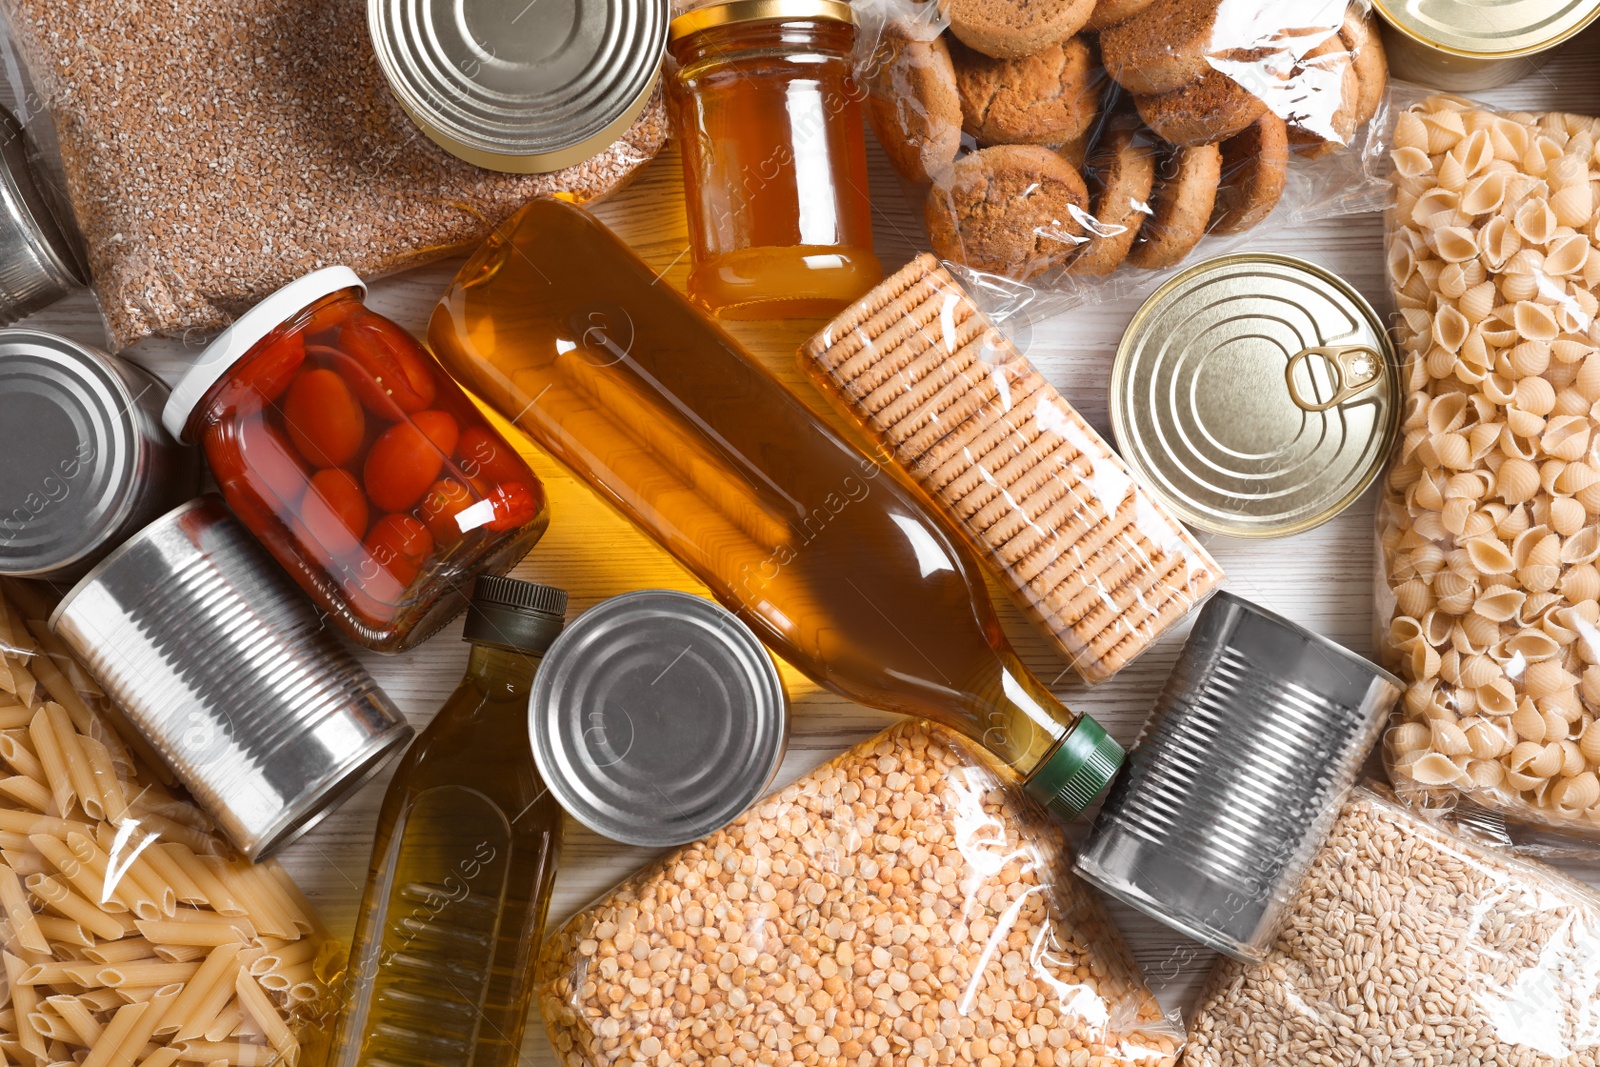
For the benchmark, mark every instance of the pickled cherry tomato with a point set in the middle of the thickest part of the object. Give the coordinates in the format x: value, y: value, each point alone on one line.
x: 440, y: 428
x: 270, y: 373
x: 335, y: 509
x: 399, y: 544
x: 250, y: 453
x: 328, y: 317
x: 323, y: 418
x: 483, y: 455
x: 401, y: 465
x: 390, y: 356
x: 515, y: 504
x: 446, y: 499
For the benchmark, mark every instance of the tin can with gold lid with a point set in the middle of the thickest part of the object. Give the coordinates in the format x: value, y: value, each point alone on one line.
x: 518, y: 86
x: 1257, y: 395
x: 1468, y: 45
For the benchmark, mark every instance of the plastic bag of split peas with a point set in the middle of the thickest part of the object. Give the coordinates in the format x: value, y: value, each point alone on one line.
x: 1490, y: 592
x: 904, y: 905
x: 1086, y: 148
x: 129, y: 931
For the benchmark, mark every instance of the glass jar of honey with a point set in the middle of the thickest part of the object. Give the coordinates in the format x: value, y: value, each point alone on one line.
x: 774, y: 158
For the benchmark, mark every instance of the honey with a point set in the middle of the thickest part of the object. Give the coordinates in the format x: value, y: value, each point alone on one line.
x: 774, y: 158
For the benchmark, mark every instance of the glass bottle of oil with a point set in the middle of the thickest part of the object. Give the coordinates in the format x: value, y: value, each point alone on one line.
x: 441, y: 971
x: 835, y: 562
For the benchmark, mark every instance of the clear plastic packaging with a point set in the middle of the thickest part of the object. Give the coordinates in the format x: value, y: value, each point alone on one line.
x: 130, y: 928
x: 1089, y: 556
x: 1488, y: 598
x: 1412, y: 944
x: 1086, y: 157
x: 227, y: 148
x: 904, y: 904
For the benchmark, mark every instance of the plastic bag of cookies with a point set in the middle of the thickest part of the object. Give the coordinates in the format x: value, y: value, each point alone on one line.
x: 905, y: 904
x: 1092, y: 559
x: 1080, y: 145
x: 1490, y: 597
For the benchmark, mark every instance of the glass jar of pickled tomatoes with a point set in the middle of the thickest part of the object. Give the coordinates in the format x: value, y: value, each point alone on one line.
x: 774, y: 158
x: 356, y: 460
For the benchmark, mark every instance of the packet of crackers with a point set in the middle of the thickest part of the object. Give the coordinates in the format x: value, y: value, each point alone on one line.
x: 130, y: 931
x: 1088, y: 146
x: 904, y: 904
x: 1489, y: 523
x: 1091, y: 558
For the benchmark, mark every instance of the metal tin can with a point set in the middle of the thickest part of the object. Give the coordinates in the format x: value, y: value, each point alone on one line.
x: 225, y: 669
x: 1468, y: 45
x: 1257, y: 395
x: 516, y: 86
x: 42, y: 258
x: 1237, y: 776
x: 657, y: 718
x: 87, y: 461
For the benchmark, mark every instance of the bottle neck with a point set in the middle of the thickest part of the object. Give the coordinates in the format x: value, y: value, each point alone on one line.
x: 1021, y: 720
x: 502, y: 669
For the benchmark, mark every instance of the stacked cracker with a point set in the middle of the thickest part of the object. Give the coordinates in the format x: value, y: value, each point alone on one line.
x: 1091, y: 558
x: 1023, y: 84
x: 130, y: 933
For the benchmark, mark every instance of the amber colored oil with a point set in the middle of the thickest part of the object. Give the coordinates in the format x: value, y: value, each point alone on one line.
x: 833, y: 560
x: 442, y: 967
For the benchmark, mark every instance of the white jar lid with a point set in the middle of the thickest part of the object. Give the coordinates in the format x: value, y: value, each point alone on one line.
x: 247, y: 330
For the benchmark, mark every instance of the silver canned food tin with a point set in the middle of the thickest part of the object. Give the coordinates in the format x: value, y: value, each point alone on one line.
x: 1470, y: 45
x: 1256, y: 394
x: 87, y: 462
x: 41, y: 253
x: 657, y: 718
x: 1231, y: 789
x: 519, y: 86
x: 220, y: 663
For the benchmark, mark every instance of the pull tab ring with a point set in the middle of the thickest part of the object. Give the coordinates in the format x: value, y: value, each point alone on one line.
x: 1356, y: 369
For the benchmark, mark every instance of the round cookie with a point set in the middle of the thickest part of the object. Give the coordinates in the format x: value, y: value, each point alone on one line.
x: 913, y: 106
x: 1210, y: 110
x: 1359, y: 35
x: 1123, y: 171
x: 1008, y: 29
x: 1050, y: 97
x: 1181, y: 207
x: 1161, y: 48
x: 1327, y: 82
x: 1255, y: 167
x: 1010, y: 209
x: 1109, y: 13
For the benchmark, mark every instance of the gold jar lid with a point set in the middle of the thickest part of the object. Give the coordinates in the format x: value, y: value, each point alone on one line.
x: 729, y: 12
x: 1256, y: 395
x: 1476, y: 28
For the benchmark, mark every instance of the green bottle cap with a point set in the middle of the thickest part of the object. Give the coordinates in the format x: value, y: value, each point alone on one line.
x: 1079, y: 770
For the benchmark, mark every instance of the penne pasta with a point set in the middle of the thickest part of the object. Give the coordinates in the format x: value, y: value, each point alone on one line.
x: 204, y: 995
x: 138, y: 973
x: 79, y: 773
x: 24, y: 927
x: 52, y: 760
x: 107, y: 1052
x: 69, y: 905
x: 24, y: 1002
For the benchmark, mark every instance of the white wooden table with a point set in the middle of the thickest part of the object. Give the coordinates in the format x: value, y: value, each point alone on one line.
x: 1321, y: 579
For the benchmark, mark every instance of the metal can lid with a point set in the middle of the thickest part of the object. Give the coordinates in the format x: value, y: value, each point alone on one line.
x: 731, y: 11
x: 1257, y: 395
x: 37, y: 213
x: 1476, y: 28
x: 657, y: 718
x: 74, y: 448
x: 516, y: 86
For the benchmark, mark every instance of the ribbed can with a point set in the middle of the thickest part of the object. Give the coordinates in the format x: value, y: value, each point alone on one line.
x: 223, y: 666
x: 41, y: 254
x: 1261, y: 729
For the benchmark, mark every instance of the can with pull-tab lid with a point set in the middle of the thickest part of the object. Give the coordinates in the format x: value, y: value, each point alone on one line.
x: 1471, y: 45
x: 1257, y: 395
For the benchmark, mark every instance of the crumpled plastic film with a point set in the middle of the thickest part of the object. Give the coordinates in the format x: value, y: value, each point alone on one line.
x: 903, y: 904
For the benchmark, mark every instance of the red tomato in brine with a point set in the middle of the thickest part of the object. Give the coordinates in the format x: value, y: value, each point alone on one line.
x: 515, y: 504
x: 399, y: 544
x: 271, y: 371
x: 483, y: 454
x: 400, y: 466
x: 440, y: 428
x: 446, y: 499
x: 323, y: 419
x: 329, y: 317
x: 250, y: 455
x: 396, y: 363
x: 335, y: 510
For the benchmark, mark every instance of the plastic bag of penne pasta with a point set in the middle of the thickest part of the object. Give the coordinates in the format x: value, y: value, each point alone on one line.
x: 1490, y: 520
x: 131, y: 932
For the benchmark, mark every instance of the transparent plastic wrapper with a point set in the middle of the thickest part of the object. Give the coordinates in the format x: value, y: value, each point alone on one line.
x: 1411, y: 944
x: 1084, y: 148
x: 1488, y: 521
x: 1093, y: 560
x: 282, y: 152
x: 904, y: 904
x: 131, y: 932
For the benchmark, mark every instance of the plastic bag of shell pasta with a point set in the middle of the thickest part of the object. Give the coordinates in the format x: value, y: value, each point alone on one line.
x: 1411, y: 944
x: 129, y: 931
x: 1086, y: 147
x: 1490, y: 592
x: 905, y: 904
